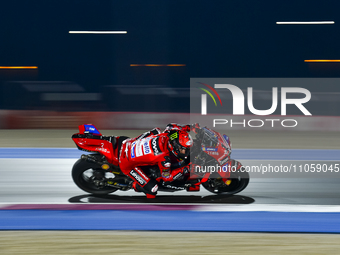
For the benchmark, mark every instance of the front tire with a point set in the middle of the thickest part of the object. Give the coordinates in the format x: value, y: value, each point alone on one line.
x: 90, y: 178
x: 238, y: 181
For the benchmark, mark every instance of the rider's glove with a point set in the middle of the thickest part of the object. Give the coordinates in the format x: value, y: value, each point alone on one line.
x: 186, y: 170
x: 174, y: 175
x: 195, y: 127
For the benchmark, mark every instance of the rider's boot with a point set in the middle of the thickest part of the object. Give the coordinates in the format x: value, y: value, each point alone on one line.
x: 136, y: 187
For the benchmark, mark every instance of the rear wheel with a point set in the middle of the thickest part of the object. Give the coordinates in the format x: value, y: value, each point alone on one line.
x: 237, y: 181
x: 91, y: 178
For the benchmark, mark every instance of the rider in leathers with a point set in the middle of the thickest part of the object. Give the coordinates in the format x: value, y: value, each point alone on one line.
x: 169, y: 150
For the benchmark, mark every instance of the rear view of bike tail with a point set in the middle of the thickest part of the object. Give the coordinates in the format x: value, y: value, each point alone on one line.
x: 97, y: 173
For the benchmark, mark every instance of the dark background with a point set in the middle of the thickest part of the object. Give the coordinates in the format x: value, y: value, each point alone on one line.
x: 211, y: 38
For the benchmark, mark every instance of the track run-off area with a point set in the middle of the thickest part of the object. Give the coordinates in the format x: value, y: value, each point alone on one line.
x: 37, y: 192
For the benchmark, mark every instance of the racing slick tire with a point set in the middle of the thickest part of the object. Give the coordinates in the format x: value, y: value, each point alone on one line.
x: 237, y: 181
x: 90, y: 178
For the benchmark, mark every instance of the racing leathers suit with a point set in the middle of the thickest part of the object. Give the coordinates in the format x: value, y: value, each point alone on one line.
x: 151, y: 149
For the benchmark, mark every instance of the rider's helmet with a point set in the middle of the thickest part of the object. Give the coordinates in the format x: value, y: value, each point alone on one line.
x: 180, y: 143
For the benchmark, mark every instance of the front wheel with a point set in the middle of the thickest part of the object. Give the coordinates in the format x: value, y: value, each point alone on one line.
x: 91, y: 178
x: 237, y: 181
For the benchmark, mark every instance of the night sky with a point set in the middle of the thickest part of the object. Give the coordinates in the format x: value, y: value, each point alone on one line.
x: 212, y: 38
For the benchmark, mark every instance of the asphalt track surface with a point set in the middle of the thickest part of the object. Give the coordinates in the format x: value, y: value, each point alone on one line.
x: 32, y: 180
x: 48, y: 181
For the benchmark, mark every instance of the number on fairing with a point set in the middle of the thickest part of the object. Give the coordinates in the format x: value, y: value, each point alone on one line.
x: 143, y: 147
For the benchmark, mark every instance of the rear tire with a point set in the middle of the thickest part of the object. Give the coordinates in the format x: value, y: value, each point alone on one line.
x: 239, y: 181
x: 87, y: 176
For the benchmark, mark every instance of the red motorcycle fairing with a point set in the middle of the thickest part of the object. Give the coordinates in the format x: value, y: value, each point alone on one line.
x: 212, y: 150
x: 224, y: 173
x: 218, y: 147
x: 221, y: 150
x: 90, y: 139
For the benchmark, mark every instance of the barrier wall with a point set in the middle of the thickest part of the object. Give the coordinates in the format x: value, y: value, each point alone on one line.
x: 12, y: 119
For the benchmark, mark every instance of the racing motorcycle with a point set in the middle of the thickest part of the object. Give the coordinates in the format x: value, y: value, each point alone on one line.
x: 210, y: 165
